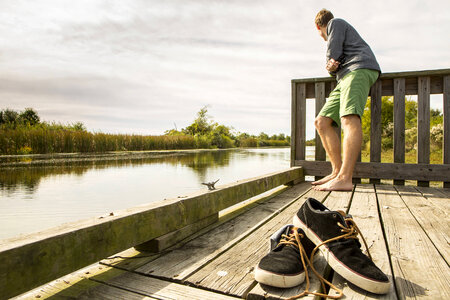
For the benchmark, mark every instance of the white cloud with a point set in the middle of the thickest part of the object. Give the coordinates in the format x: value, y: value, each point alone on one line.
x: 141, y: 66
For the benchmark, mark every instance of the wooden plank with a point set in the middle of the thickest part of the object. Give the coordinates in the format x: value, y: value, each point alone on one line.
x: 365, y: 213
x: 432, y: 172
x: 437, y: 196
x: 165, y: 241
x: 399, y: 123
x: 39, y: 258
x: 293, y: 122
x: 390, y: 75
x: 232, y: 273
x: 300, y: 121
x: 434, y: 219
x: 423, y: 123
x: 446, y: 113
x: 181, y: 262
x: 375, y: 125
x: 320, y: 101
x: 412, y: 252
x: 161, y: 289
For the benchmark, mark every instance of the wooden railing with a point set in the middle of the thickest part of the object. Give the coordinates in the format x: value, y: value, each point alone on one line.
x: 398, y: 85
x: 30, y: 261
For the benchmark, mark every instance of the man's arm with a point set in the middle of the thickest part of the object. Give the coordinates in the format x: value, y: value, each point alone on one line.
x: 335, y: 46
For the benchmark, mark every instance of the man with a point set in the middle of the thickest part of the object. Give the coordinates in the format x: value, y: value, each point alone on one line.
x: 351, y: 60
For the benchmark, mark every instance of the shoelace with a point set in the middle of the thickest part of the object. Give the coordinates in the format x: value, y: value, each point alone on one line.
x: 350, y: 232
x: 294, y: 239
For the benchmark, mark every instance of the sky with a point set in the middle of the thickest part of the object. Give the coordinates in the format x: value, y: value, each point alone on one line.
x: 143, y: 67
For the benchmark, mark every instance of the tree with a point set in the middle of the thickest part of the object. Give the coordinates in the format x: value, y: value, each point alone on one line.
x: 29, y: 117
x: 9, y: 117
x: 201, y: 125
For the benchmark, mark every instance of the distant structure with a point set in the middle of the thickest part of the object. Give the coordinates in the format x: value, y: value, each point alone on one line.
x: 211, y: 184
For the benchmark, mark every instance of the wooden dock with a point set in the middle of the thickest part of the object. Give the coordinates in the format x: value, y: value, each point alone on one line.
x: 407, y: 229
x: 206, y: 245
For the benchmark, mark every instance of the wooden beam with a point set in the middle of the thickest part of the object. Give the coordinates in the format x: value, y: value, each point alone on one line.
x: 426, y: 172
x: 423, y: 124
x: 298, y: 150
x: 33, y: 260
x: 375, y: 125
x: 399, y: 123
x: 446, y: 106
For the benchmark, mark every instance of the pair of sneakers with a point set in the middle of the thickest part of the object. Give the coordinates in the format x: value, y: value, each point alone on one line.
x: 334, y: 233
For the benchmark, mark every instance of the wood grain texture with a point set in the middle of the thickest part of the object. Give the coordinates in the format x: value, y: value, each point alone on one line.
x: 300, y: 119
x: 181, y: 262
x: 446, y: 113
x: 232, y: 273
x: 399, y: 123
x: 365, y: 213
x: 161, y: 289
x: 375, y: 124
x: 419, y: 269
x: 432, y: 216
x: 320, y: 101
x: 423, y: 123
x: 432, y: 172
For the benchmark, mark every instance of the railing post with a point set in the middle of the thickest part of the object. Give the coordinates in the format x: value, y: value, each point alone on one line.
x: 446, y: 112
x: 375, y: 125
x: 320, y: 154
x: 423, y: 123
x: 399, y: 123
x: 298, y: 132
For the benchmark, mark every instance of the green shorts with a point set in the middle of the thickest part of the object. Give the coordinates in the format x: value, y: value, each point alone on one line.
x: 350, y: 95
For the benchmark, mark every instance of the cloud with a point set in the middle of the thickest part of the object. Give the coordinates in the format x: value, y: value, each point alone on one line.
x: 141, y: 66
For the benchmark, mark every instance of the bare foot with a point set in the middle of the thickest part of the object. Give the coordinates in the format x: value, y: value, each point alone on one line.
x: 336, y: 184
x: 324, y: 180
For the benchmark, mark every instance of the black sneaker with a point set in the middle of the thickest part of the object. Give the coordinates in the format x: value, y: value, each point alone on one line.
x: 337, y: 235
x: 282, y: 266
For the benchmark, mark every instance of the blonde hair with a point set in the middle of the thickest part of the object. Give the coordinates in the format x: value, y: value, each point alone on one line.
x: 323, y: 17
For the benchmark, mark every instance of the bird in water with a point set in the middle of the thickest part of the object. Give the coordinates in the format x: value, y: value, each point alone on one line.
x: 211, y: 184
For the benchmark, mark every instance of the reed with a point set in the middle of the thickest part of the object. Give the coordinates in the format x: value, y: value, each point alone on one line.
x: 49, y: 140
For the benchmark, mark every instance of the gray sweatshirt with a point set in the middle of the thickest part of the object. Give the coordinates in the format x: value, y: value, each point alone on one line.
x: 346, y: 46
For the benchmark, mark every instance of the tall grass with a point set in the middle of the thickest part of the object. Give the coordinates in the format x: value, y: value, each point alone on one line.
x: 47, y: 140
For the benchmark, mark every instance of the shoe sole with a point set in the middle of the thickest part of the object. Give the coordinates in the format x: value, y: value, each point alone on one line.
x: 278, y: 280
x: 373, y: 286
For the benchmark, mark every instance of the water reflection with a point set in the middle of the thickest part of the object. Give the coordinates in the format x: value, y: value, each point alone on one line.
x: 26, y: 173
x: 39, y: 192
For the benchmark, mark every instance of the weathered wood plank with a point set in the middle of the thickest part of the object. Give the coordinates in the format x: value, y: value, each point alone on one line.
x: 320, y: 101
x: 434, y: 219
x: 446, y: 113
x: 39, y: 258
x: 232, y: 273
x: 180, y: 263
x: 399, y: 123
x: 423, y: 123
x: 299, y: 121
x: 365, y: 213
x: 165, y: 241
x: 375, y: 125
x: 293, y: 121
x: 412, y: 252
x: 432, y: 172
x: 160, y: 289
x: 391, y: 75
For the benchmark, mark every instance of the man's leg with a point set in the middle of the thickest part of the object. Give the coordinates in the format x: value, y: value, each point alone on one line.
x: 332, y: 145
x: 351, y: 125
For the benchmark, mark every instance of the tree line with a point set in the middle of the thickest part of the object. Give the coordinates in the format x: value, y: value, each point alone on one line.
x: 23, y: 132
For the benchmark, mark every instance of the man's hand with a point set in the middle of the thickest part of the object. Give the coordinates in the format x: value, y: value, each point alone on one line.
x: 332, y: 65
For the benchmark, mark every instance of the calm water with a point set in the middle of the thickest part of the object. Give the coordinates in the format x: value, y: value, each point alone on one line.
x: 50, y: 191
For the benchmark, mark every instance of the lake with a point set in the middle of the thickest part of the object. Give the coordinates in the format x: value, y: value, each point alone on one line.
x: 38, y: 192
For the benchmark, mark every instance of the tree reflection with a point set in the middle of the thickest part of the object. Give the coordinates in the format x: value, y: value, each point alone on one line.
x: 26, y: 173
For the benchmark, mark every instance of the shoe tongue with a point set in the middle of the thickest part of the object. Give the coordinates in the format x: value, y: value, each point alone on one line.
x: 291, y: 230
